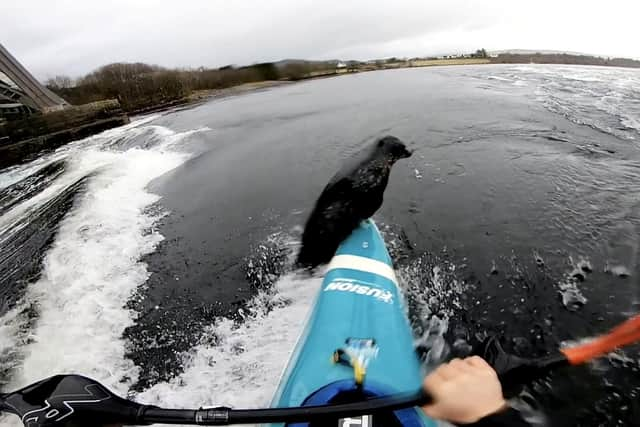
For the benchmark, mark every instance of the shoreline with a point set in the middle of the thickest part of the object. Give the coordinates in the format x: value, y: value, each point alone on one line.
x: 27, y: 149
x: 198, y: 97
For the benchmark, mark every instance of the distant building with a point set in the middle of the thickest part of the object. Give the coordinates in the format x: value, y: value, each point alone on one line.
x: 341, y: 64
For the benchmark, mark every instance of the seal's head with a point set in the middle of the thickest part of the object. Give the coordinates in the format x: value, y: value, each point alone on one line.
x: 393, y: 148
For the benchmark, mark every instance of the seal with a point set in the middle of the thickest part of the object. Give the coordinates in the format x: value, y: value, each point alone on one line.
x: 354, y: 194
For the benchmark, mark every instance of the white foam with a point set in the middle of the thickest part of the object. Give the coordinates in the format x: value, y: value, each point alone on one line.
x: 581, y: 76
x: 242, y: 367
x: 80, y: 296
x: 92, y: 268
x: 527, y: 69
x: 502, y: 79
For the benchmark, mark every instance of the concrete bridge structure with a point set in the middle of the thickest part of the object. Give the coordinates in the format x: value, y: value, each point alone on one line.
x: 20, y: 92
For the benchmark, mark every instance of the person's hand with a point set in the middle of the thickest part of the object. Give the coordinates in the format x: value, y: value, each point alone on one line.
x: 463, y: 391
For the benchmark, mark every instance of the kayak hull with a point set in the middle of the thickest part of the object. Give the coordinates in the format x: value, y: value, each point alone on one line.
x: 360, y: 302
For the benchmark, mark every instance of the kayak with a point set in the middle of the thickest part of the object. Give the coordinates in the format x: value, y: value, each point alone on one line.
x: 357, y: 342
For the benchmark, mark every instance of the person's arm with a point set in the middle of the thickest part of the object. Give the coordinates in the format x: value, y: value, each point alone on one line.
x: 507, y: 418
x: 467, y: 392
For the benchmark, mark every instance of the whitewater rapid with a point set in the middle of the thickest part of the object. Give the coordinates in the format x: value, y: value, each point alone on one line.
x: 72, y: 315
x: 72, y: 318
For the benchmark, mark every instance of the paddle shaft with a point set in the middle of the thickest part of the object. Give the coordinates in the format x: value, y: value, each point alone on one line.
x: 226, y: 416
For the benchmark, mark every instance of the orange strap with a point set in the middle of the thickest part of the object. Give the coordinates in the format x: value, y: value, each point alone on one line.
x: 623, y: 334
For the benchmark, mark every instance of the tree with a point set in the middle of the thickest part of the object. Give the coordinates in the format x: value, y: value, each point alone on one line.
x: 480, y: 53
x: 59, y: 82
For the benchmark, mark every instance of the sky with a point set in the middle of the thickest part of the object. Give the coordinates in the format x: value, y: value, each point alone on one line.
x: 74, y: 37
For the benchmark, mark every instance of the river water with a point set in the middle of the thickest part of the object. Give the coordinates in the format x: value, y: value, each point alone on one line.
x: 154, y: 257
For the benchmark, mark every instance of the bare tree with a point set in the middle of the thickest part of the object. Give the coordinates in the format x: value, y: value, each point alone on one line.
x: 59, y: 82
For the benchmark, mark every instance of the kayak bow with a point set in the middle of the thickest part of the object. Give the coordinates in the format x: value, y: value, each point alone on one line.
x: 357, y: 343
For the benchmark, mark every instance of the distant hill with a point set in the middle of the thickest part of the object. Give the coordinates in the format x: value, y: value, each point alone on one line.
x: 534, y: 51
x: 302, y: 67
x: 551, y: 57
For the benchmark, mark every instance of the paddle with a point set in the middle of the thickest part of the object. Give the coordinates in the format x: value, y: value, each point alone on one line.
x: 515, y: 371
x: 63, y: 398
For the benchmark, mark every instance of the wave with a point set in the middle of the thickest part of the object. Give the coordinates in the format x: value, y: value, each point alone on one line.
x: 24, y: 244
x: 28, y: 187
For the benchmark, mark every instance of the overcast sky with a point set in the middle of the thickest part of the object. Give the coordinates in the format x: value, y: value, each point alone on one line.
x: 74, y: 37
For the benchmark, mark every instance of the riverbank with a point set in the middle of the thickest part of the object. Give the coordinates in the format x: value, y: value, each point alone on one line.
x: 200, y: 96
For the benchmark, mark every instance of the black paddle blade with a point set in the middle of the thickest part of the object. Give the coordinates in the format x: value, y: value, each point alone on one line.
x: 513, y: 371
x: 69, y: 400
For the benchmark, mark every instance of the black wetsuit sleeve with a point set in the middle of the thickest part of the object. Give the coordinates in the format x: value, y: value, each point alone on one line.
x: 507, y: 418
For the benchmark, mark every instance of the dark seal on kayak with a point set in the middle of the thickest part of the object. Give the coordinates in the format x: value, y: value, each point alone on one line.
x: 354, y: 194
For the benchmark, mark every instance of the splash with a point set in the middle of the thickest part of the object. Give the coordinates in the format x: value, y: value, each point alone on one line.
x: 572, y: 297
x: 239, y: 363
x: 432, y: 290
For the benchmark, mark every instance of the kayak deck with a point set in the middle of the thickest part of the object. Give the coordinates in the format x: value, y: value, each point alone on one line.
x: 358, y: 311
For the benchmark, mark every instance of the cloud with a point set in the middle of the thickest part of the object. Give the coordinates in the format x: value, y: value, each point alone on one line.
x: 74, y: 37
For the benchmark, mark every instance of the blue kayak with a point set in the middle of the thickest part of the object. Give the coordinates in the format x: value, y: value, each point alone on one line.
x: 357, y: 342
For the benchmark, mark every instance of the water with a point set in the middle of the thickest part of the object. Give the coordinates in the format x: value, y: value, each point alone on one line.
x: 154, y: 257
